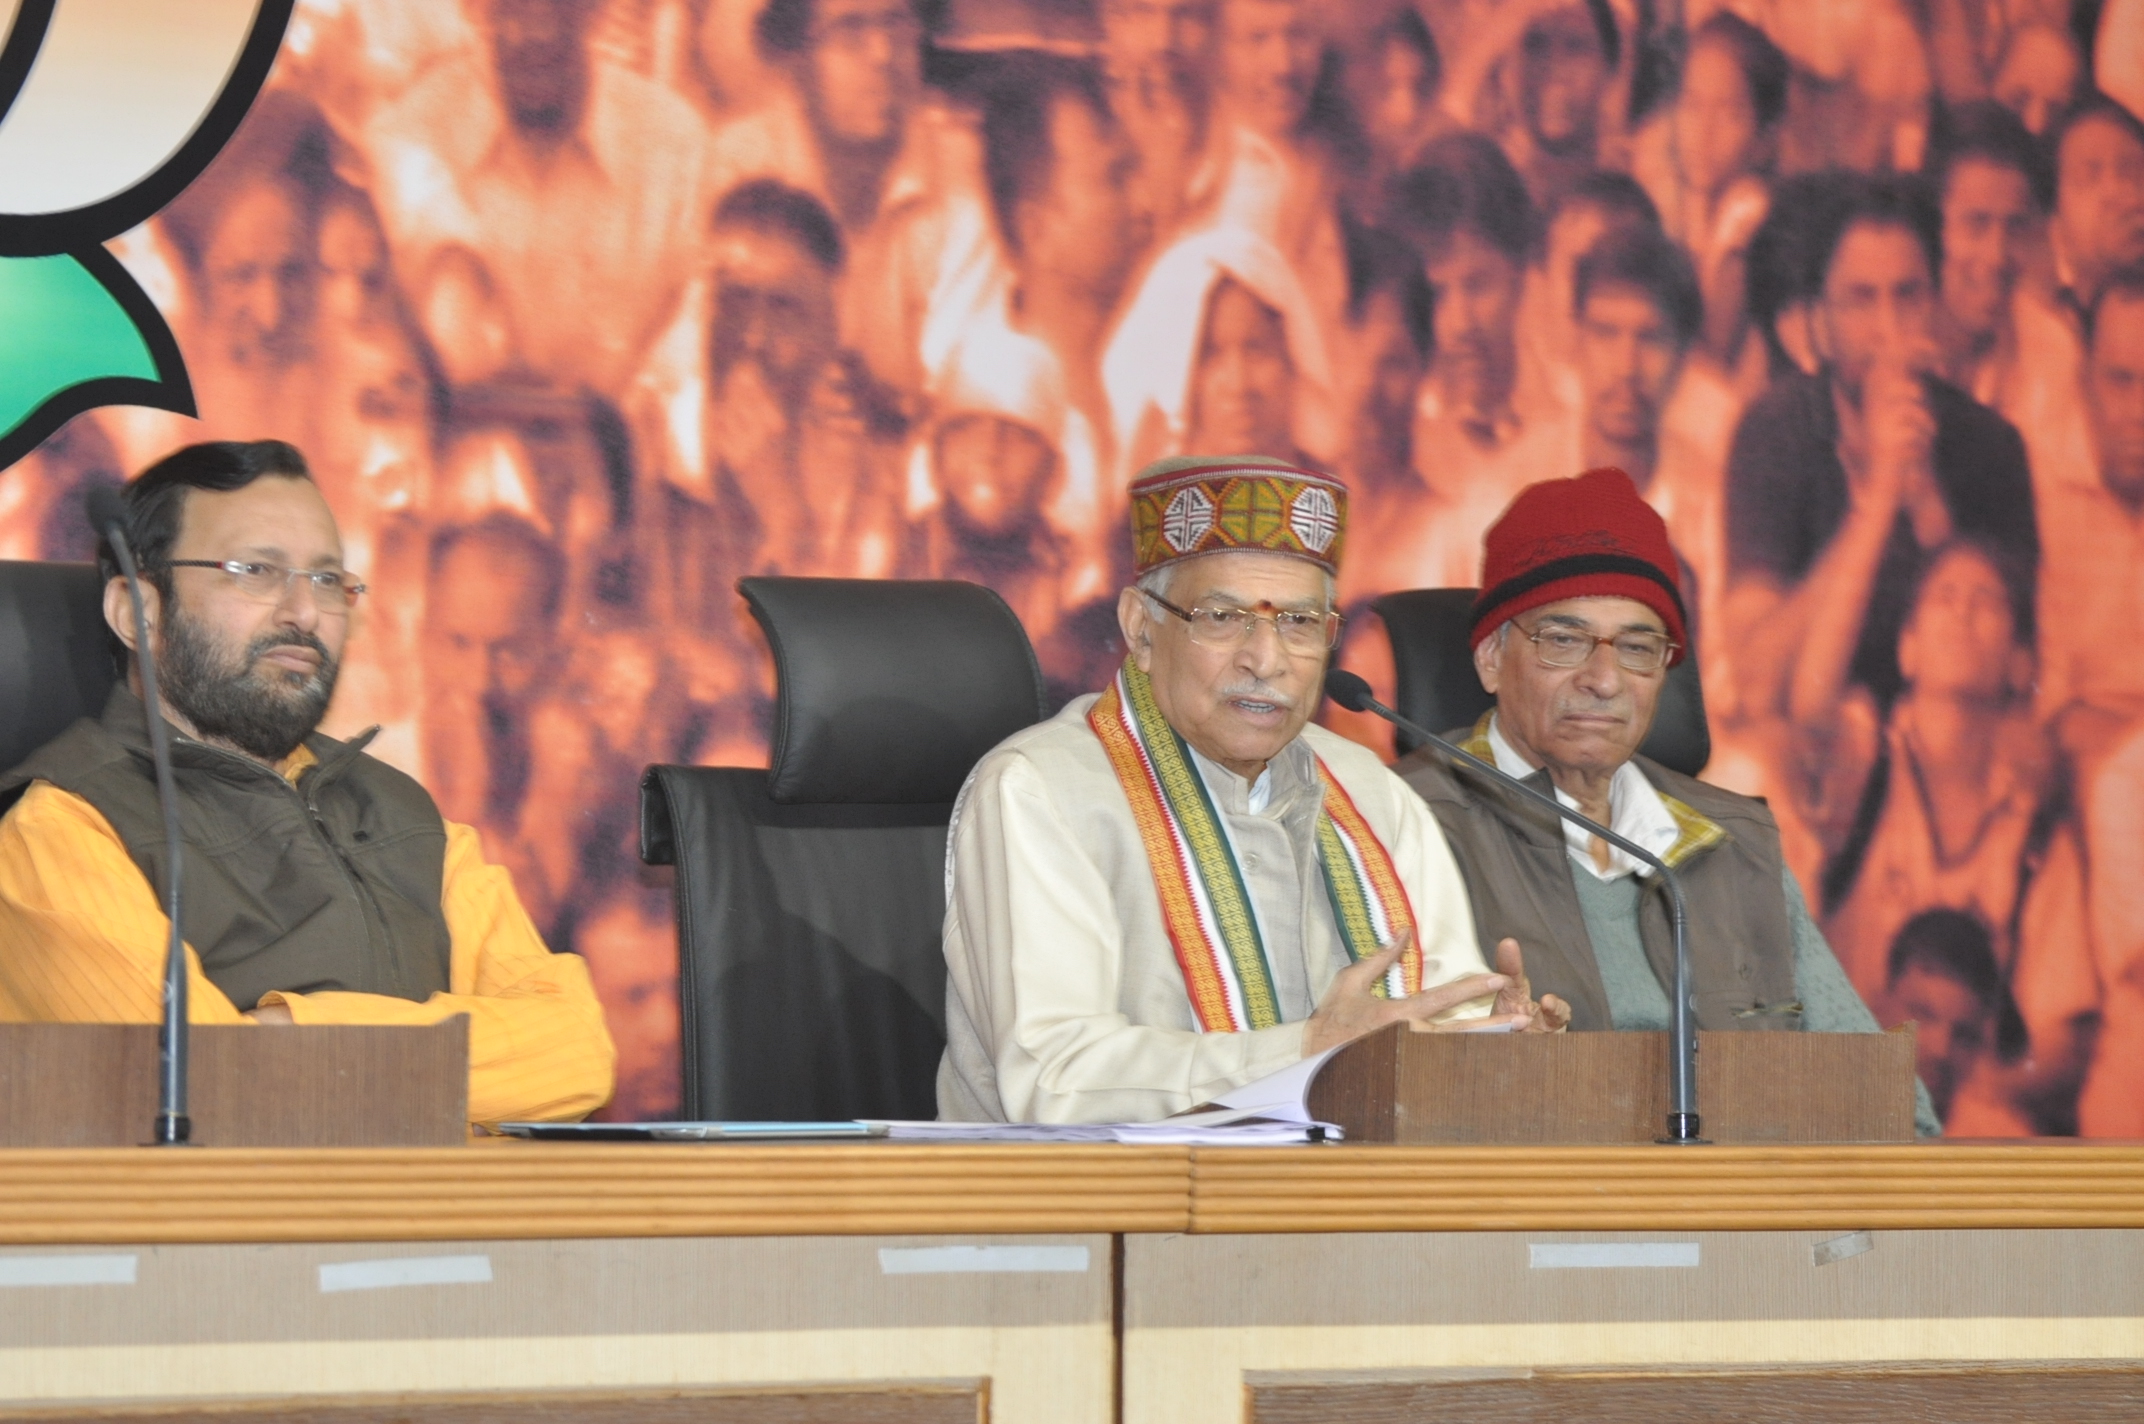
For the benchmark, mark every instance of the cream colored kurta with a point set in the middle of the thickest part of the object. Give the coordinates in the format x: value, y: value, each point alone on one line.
x: 1064, y: 1000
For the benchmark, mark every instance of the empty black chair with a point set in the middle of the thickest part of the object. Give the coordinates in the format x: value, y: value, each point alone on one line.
x: 55, y: 653
x: 1436, y: 685
x: 811, y: 895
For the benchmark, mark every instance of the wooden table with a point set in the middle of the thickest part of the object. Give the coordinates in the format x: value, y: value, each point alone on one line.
x: 637, y: 1283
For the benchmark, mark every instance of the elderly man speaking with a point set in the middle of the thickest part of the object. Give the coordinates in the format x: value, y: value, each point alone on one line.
x: 1176, y: 887
x: 1579, y: 618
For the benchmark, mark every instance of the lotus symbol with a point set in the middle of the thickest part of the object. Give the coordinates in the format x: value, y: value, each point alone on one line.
x: 108, y: 109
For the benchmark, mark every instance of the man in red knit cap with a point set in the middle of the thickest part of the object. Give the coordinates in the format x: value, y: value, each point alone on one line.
x: 1579, y: 618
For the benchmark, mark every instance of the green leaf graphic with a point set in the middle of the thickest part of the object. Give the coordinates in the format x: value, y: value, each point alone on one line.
x: 60, y: 328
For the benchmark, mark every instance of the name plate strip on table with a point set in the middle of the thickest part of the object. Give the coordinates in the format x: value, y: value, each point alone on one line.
x: 1604, y: 1255
x: 68, y: 1270
x: 968, y: 1260
x: 405, y: 1271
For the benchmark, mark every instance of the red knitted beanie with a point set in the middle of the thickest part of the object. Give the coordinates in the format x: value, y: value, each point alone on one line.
x: 1589, y: 537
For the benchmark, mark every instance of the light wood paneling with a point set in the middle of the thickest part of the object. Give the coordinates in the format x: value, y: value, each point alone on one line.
x: 535, y: 1190
x: 263, y: 1295
x: 2078, y: 1392
x: 919, y: 1402
x: 1207, y: 1316
x: 1938, y: 1185
x: 288, y: 1325
x: 1489, y: 1280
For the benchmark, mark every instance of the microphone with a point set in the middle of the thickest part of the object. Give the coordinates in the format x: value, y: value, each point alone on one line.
x: 107, y: 513
x: 1351, y: 692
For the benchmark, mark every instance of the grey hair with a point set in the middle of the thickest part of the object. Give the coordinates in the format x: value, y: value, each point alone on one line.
x: 1156, y: 581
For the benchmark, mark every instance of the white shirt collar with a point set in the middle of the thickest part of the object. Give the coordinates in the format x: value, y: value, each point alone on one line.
x: 1285, y: 774
x: 1635, y: 812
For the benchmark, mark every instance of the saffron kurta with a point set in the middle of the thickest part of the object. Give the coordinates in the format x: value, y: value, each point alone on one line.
x: 1064, y: 998
x: 82, y: 938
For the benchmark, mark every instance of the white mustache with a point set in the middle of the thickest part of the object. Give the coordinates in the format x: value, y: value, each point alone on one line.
x: 1594, y: 706
x: 1257, y: 691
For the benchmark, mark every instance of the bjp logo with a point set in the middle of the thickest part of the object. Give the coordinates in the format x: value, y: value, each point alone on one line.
x: 108, y: 109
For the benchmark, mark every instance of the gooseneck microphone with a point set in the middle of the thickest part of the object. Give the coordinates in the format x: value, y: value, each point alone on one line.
x: 1351, y: 692
x: 107, y: 514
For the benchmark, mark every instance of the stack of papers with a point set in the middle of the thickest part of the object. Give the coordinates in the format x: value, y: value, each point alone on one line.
x: 1272, y: 1112
x: 1221, y: 1129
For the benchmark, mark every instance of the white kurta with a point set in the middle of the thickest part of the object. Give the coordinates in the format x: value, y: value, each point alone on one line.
x: 1064, y: 1000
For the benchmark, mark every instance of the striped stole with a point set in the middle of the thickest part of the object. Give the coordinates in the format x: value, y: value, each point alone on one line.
x: 1204, y: 901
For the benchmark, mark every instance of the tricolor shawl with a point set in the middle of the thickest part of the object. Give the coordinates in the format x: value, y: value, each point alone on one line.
x: 1204, y: 902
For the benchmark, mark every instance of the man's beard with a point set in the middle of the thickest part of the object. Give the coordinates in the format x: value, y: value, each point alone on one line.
x: 264, y: 714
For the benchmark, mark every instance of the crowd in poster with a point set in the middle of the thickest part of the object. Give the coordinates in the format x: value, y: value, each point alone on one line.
x: 582, y: 309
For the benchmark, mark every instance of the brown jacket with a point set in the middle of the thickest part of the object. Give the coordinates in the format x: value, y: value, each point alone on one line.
x: 1517, y: 867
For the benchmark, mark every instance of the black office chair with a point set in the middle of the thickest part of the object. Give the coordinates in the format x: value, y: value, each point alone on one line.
x: 1436, y: 685
x: 811, y: 895
x: 55, y: 653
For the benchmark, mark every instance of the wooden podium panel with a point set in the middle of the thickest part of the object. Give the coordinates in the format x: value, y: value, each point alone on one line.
x: 1539, y: 1089
x: 1982, y: 1392
x: 250, y: 1085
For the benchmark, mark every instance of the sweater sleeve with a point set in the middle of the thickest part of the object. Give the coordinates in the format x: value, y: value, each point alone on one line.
x: 1829, y: 1003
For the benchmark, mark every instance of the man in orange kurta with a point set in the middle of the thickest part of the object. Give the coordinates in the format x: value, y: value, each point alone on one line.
x: 319, y: 884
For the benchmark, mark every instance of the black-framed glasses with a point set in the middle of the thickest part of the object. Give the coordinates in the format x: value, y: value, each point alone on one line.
x: 333, y: 590
x: 1300, y: 631
x: 1561, y: 646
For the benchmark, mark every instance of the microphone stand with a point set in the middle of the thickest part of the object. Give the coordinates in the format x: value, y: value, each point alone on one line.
x: 173, y: 1126
x: 1683, y: 1126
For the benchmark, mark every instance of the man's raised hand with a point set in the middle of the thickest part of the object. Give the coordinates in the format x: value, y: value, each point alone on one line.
x: 1349, y: 1009
x: 1516, y: 998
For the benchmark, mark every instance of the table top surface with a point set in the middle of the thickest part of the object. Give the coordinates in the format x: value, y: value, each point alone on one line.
x: 519, y: 1190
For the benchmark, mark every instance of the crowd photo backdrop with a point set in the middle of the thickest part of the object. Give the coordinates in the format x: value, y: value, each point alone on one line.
x: 583, y: 309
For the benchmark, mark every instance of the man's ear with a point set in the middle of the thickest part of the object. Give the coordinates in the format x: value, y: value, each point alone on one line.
x: 119, y: 609
x: 1489, y: 659
x: 1135, y: 620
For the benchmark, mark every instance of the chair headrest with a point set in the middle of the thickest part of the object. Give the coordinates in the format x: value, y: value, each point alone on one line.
x: 889, y: 691
x: 1436, y: 684
x: 55, y: 653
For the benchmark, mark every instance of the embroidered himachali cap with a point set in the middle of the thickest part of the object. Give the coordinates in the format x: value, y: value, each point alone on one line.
x: 1587, y: 537
x: 1189, y: 505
